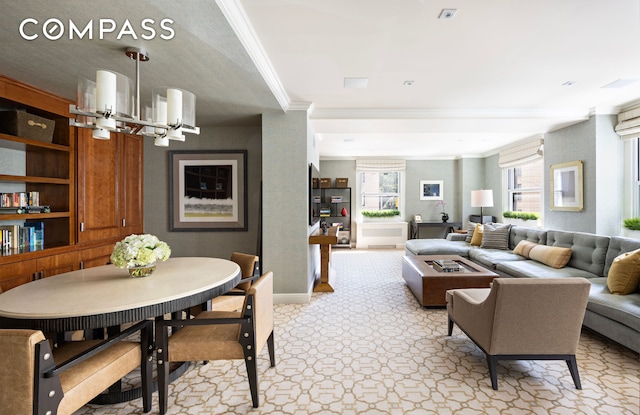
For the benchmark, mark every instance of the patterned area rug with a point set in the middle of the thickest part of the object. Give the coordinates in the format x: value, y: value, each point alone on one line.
x: 369, y: 348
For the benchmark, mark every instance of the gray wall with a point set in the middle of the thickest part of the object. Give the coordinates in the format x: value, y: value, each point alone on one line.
x: 156, y: 193
x: 285, y: 175
x: 600, y: 149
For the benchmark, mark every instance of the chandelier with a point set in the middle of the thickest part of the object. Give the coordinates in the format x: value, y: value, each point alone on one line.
x: 112, y: 103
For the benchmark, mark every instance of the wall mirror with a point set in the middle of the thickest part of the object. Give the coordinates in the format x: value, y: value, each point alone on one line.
x: 566, y: 186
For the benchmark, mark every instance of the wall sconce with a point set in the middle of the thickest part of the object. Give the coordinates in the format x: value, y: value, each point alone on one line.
x: 108, y: 104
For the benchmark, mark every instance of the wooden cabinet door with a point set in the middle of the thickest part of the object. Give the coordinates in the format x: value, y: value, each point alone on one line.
x: 17, y: 273
x: 96, y: 256
x: 57, y: 264
x: 98, y: 214
x: 131, y: 183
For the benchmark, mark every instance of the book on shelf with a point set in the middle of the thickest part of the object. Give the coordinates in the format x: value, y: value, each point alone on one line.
x: 10, y: 236
x: 336, y: 199
x: 20, y: 210
x: 19, y: 199
x: 29, y: 236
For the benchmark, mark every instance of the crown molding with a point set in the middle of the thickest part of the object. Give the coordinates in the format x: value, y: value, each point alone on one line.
x: 346, y: 113
x: 241, y: 25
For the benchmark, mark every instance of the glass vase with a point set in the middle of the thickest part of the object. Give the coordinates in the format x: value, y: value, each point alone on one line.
x: 138, y: 271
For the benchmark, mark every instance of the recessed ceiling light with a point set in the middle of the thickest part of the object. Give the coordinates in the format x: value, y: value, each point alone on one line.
x: 356, y: 82
x: 620, y: 83
x: 407, y: 83
x: 569, y: 83
x: 447, y: 14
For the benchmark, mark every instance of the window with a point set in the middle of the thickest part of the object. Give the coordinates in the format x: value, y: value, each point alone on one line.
x: 379, y: 190
x: 525, y: 186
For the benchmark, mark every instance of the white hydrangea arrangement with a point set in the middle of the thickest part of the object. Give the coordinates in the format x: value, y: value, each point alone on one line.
x: 139, y: 250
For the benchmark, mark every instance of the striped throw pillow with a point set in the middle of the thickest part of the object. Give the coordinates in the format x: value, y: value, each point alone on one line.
x: 495, y: 237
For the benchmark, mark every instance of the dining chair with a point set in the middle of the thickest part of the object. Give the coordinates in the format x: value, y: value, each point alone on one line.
x: 220, y: 335
x: 234, y: 298
x: 38, y: 380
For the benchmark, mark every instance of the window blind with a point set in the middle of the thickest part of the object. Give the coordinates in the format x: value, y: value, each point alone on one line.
x: 380, y: 165
x: 521, y: 153
x: 629, y: 124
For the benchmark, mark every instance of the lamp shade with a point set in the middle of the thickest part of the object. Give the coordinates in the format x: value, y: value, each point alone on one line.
x: 482, y: 198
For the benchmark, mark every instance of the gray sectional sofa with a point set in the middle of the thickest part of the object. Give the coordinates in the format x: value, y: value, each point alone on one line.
x: 614, y: 316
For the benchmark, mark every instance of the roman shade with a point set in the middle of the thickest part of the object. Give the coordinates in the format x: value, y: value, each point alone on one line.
x: 380, y: 165
x: 521, y: 153
x: 628, y: 124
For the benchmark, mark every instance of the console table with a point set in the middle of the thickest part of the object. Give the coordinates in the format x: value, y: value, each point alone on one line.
x: 326, y: 273
x: 415, y: 227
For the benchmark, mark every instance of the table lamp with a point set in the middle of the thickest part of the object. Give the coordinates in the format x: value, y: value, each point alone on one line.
x: 482, y: 198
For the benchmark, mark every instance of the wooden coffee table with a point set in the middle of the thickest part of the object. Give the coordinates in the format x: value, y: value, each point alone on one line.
x: 429, y: 286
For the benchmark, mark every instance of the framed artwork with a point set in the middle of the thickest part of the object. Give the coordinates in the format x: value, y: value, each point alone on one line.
x: 431, y: 189
x: 566, y: 186
x: 208, y: 190
x: 417, y: 218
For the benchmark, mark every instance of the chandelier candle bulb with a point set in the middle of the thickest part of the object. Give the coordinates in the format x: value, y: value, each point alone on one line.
x: 106, y: 92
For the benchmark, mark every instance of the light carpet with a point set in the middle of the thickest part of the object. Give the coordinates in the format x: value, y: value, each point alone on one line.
x: 369, y: 348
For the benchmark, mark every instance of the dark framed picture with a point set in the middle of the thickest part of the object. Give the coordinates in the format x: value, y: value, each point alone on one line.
x: 208, y: 190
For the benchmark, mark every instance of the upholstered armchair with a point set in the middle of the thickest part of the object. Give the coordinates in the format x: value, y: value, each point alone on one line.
x: 220, y: 335
x: 36, y: 381
x: 523, y: 319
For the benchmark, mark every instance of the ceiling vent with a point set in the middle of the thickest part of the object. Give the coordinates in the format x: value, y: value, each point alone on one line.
x: 356, y: 82
x: 447, y: 14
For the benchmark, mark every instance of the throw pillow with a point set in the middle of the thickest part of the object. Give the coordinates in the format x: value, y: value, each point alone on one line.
x: 554, y: 256
x: 471, y: 227
x: 476, y: 239
x: 624, y: 274
x: 524, y: 247
x: 495, y: 237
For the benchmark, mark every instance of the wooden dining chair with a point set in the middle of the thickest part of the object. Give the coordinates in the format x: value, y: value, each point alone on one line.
x: 37, y: 381
x: 220, y: 335
x: 234, y: 299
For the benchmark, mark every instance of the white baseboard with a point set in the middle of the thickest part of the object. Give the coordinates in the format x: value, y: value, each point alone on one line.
x: 294, y: 298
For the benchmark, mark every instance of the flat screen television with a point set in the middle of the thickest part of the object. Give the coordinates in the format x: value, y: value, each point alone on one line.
x: 314, y: 194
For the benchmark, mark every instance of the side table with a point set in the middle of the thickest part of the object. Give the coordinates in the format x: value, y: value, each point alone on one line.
x: 326, y: 273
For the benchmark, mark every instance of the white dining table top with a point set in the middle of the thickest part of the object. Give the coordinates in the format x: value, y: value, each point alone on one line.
x: 108, y: 289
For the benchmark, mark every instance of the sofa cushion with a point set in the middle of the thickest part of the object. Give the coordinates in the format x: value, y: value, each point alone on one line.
x: 476, y: 239
x: 624, y: 274
x: 624, y: 309
x: 588, y: 250
x: 495, y: 237
x: 533, y: 269
x: 524, y: 247
x: 488, y: 258
x: 554, y: 256
x: 437, y: 247
x: 619, y: 245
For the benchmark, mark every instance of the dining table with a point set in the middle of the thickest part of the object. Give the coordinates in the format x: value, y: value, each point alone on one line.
x: 107, y: 297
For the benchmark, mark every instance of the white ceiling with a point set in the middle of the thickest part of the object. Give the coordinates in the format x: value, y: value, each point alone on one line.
x: 490, y: 76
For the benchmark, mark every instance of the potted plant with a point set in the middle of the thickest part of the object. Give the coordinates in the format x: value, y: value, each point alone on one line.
x: 372, y: 215
x: 445, y: 216
x: 632, y: 227
x: 520, y: 218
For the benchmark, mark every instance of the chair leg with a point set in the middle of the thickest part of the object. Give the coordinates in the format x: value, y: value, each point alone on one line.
x: 252, y: 373
x: 146, y: 367
x: 272, y: 350
x: 450, y: 328
x: 162, y: 367
x: 493, y: 370
x: 573, y: 368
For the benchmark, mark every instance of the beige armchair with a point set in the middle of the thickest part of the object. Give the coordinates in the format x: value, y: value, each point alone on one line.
x: 523, y: 319
x: 220, y: 335
x: 36, y: 381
